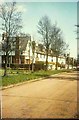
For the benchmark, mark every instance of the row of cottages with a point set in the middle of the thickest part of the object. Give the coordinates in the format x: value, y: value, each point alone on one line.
x: 23, y: 54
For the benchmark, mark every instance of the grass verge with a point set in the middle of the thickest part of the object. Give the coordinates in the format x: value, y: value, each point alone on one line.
x: 21, y: 77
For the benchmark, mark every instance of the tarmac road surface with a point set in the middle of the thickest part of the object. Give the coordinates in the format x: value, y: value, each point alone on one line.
x: 54, y: 97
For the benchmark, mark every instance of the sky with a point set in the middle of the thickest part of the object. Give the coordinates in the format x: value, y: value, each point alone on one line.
x: 62, y: 13
x: 40, y: 0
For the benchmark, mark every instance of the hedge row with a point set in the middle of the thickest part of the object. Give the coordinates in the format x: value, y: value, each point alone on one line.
x: 25, y: 66
x: 37, y: 66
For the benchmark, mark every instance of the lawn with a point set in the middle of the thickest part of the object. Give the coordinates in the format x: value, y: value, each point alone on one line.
x: 14, y: 78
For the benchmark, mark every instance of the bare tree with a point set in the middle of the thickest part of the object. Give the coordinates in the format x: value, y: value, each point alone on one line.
x: 58, y: 45
x: 40, y: 47
x: 33, y: 53
x: 11, y: 25
x: 29, y: 51
x: 44, y: 28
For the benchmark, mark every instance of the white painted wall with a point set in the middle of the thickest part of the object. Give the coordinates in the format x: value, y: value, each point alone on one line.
x: 61, y: 60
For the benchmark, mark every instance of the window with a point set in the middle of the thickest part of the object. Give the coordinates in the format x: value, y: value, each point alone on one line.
x: 40, y: 56
x: 52, y: 60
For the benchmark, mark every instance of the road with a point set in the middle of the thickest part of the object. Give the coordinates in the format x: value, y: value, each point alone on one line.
x: 54, y: 97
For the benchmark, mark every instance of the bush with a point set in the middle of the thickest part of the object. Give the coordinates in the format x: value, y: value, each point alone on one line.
x: 37, y: 66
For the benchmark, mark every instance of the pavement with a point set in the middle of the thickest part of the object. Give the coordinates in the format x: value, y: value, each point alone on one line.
x: 54, y: 97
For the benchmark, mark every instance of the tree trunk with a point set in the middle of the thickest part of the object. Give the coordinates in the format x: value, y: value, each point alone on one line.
x: 29, y: 59
x: 68, y: 64
x: 72, y: 63
x: 33, y: 63
x: 5, y: 69
x: 56, y: 68
x: 29, y: 64
x: 32, y: 67
x: 46, y: 60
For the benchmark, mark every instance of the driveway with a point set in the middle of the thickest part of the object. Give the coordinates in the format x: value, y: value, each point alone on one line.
x: 54, y: 97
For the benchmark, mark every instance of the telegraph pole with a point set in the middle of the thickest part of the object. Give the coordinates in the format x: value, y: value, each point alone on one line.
x: 77, y: 59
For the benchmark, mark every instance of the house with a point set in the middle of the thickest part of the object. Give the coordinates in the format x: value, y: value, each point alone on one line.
x: 23, y: 53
